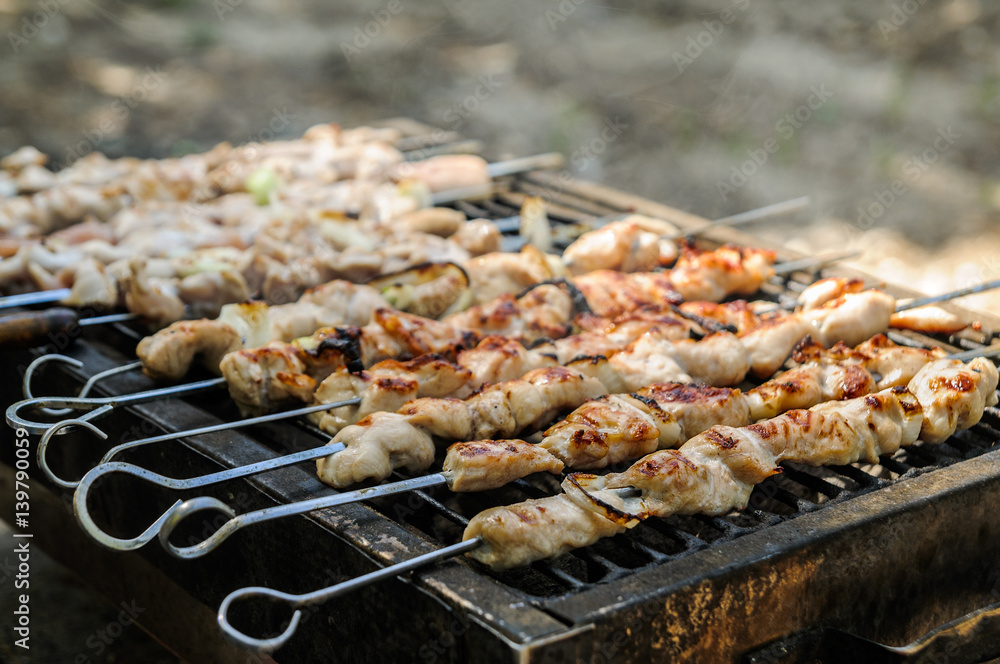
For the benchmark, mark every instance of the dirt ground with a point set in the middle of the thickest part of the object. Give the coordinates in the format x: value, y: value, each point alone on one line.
x: 886, y: 113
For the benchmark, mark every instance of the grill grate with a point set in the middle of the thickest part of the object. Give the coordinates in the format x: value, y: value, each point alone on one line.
x: 439, y: 516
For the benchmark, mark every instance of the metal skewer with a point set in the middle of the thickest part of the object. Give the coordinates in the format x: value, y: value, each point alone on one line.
x: 98, y: 407
x: 297, y: 602
x: 510, y: 224
x: 812, y: 262
x: 84, y: 391
x: 55, y: 429
x: 961, y: 292
x: 179, y: 512
x: 82, y: 512
x: 544, y: 161
x: 924, y: 301
x: 37, y: 297
x: 757, y: 214
x: 418, y: 152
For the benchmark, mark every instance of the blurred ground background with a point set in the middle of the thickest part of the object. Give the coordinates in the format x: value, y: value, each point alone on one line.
x: 887, y: 113
x: 696, y: 92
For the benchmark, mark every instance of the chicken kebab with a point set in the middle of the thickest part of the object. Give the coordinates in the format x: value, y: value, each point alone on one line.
x: 712, y: 474
x: 35, y: 201
x: 378, y: 443
x: 681, y: 413
x: 169, y: 352
x: 332, y: 219
x: 715, y: 472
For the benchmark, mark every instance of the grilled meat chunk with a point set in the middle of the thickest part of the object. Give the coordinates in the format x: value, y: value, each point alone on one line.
x: 516, y: 535
x: 498, y: 411
x: 632, y: 244
x: 953, y: 395
x: 376, y: 445
x: 170, y: 353
x: 481, y: 465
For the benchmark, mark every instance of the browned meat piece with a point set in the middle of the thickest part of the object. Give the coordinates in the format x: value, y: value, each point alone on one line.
x: 894, y: 364
x: 478, y: 237
x: 498, y: 411
x: 953, y: 395
x: 516, y: 535
x: 807, y: 385
x: 625, y: 246
x: 376, y: 445
x: 822, y: 291
x: 260, y: 379
x: 170, y: 353
x: 541, y: 313
x: 715, y: 275
x: 445, y: 172
x: 489, y: 464
x: 386, y: 386
x: 930, y: 320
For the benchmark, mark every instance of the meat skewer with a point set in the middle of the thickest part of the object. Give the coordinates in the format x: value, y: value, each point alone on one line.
x: 244, y: 363
x: 102, y: 406
x: 491, y: 322
x: 413, y: 331
x: 714, y: 472
x: 383, y: 442
x: 594, y: 254
x: 489, y: 464
x: 190, y: 222
x: 497, y: 347
x: 297, y: 379
x: 931, y: 409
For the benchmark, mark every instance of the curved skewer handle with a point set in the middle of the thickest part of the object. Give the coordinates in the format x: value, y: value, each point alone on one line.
x: 42, y: 453
x: 241, y: 471
x: 297, y: 602
x: 82, y: 511
x: 237, y: 522
x: 98, y: 407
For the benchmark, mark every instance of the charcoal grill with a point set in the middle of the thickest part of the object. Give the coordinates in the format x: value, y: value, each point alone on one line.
x: 885, y: 552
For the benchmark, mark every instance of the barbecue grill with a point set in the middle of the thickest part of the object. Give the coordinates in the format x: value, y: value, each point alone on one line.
x: 885, y: 552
